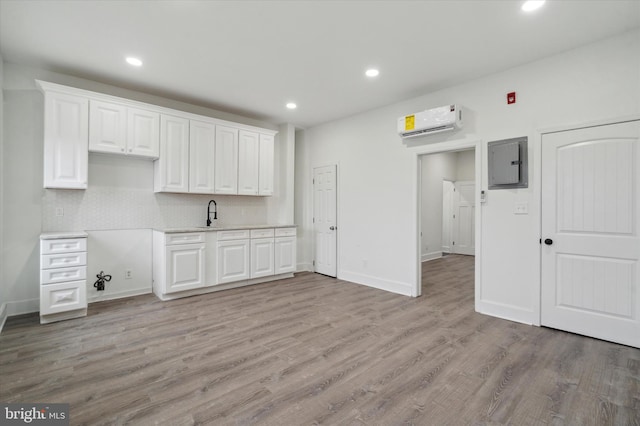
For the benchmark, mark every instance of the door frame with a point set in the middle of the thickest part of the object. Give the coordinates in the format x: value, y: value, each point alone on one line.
x: 313, y: 233
x: 537, y: 190
x: 449, y: 146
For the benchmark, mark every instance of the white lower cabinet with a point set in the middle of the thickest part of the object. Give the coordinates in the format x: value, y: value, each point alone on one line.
x: 262, y: 257
x: 63, y: 278
x: 285, y: 255
x: 178, y: 262
x: 233, y: 261
x: 184, y: 263
x: 185, y: 267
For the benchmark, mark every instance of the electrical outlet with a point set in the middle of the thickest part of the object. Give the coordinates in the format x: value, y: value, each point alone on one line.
x: 59, y: 211
x: 127, y: 274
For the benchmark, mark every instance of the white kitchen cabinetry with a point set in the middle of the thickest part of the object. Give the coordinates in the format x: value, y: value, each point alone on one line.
x: 143, y: 133
x: 193, y: 153
x: 116, y: 129
x: 178, y: 262
x: 172, y: 168
x: 226, y: 160
x: 63, y: 279
x: 266, y: 166
x: 262, y: 262
x: 66, y: 140
x: 285, y: 251
x: 233, y: 256
x: 248, y: 159
x: 202, y: 137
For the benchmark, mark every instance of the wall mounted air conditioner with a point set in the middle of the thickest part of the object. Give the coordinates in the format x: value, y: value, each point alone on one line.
x: 431, y: 121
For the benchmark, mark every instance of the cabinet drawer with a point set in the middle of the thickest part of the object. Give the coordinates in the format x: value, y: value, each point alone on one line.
x: 58, y: 275
x: 63, y: 260
x: 262, y: 233
x: 285, y: 232
x: 63, y: 297
x: 238, y: 234
x: 65, y: 245
x: 186, y: 238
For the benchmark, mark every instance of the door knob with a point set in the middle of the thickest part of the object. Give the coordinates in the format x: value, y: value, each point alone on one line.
x: 332, y: 228
x: 548, y: 241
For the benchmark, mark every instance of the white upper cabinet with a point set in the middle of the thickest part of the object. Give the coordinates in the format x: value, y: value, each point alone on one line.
x: 193, y: 153
x: 226, y: 160
x: 265, y: 167
x: 171, y: 169
x: 66, y: 140
x: 114, y: 128
x: 248, y: 155
x: 143, y: 133
x: 107, y: 127
x: 202, y: 138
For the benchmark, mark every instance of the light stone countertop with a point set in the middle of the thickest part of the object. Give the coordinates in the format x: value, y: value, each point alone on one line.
x: 62, y: 235
x: 219, y: 228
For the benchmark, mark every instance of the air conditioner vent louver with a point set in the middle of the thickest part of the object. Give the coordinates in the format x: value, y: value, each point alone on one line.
x: 436, y: 120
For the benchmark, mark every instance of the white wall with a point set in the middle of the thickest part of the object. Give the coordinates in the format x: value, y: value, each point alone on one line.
x: 3, y: 305
x: 377, y: 208
x: 120, y: 193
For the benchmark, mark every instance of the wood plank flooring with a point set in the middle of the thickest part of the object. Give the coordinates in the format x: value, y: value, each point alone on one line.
x: 315, y: 350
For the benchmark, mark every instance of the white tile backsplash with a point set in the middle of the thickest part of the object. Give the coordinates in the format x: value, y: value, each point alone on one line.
x: 129, y: 202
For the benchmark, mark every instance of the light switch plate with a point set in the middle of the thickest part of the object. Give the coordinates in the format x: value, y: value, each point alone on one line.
x: 521, y: 207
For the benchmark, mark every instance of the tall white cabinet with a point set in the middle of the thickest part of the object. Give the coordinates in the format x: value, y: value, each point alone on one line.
x: 66, y: 140
x: 226, y: 161
x: 248, y: 157
x: 202, y: 138
x: 266, y: 165
x: 172, y: 168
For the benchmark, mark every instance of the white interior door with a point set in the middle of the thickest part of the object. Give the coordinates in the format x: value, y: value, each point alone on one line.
x: 447, y: 215
x: 324, y: 219
x: 590, y: 245
x: 464, y: 205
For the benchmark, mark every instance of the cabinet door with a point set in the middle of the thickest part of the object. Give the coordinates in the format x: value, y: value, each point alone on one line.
x: 171, y: 169
x: 107, y: 127
x: 261, y: 257
x: 66, y: 141
x: 202, y: 138
x: 63, y: 297
x: 143, y: 133
x: 233, y: 261
x: 226, y: 160
x: 185, y: 267
x: 265, y: 167
x: 248, y: 155
x: 285, y: 255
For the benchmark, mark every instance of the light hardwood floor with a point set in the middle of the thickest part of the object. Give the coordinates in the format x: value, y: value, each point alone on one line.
x: 315, y: 350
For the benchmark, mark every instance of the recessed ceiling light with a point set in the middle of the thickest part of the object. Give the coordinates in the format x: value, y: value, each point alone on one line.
x: 531, y: 5
x: 134, y: 61
x: 372, y: 72
x: 291, y: 105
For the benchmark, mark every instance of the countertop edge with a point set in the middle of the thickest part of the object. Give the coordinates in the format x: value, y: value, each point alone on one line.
x: 219, y: 228
x: 63, y: 235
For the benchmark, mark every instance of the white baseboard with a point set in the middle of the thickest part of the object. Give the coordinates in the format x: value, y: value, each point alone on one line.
x: 119, y: 295
x: 507, y: 312
x: 431, y: 256
x: 404, y: 289
x: 304, y: 267
x: 3, y: 315
x: 23, y: 307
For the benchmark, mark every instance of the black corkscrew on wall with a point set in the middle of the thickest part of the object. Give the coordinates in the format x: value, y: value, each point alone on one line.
x: 102, y: 278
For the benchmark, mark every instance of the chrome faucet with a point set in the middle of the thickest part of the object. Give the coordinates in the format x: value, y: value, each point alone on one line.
x: 215, y: 212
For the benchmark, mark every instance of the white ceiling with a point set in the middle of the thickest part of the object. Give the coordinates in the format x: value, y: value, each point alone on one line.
x: 251, y: 57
